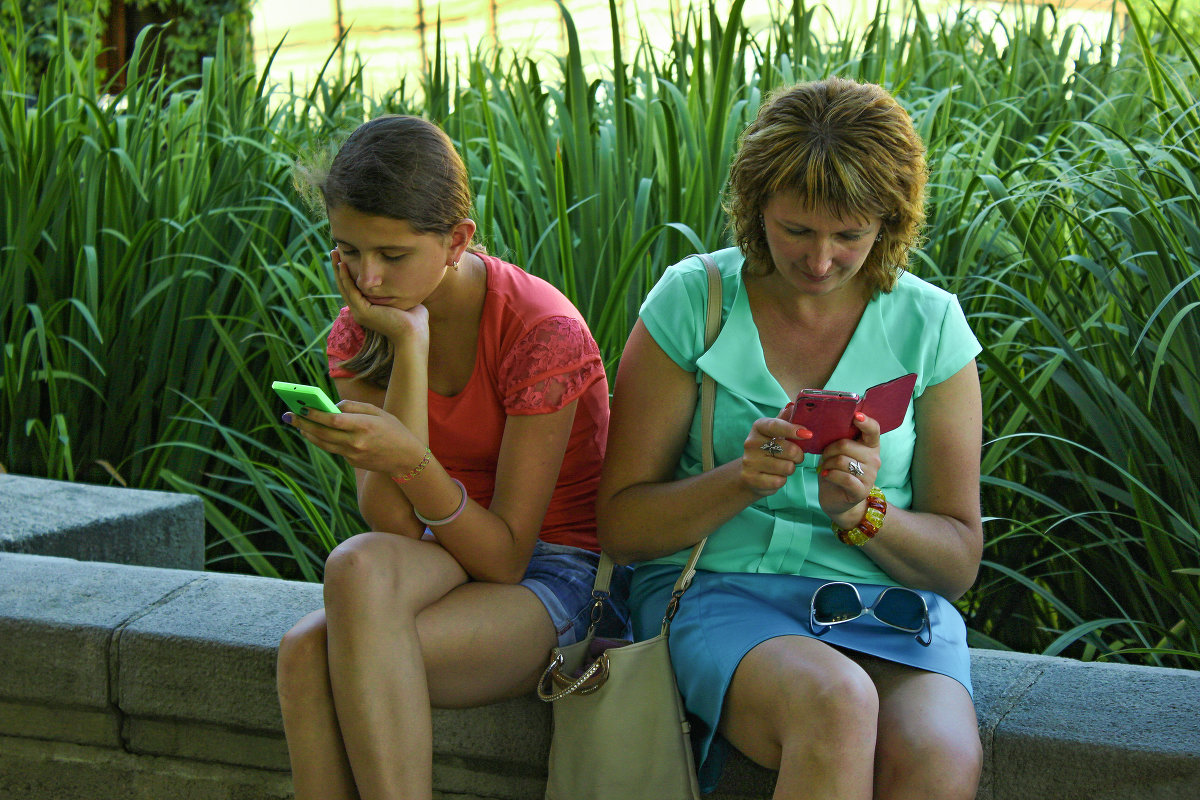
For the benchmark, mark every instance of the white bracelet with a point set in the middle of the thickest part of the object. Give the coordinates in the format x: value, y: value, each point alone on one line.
x: 433, y: 523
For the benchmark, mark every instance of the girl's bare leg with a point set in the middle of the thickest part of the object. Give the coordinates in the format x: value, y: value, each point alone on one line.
x: 803, y: 708
x: 398, y: 610
x: 320, y: 769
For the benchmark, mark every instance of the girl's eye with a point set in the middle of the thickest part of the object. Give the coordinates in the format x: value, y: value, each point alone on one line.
x: 393, y: 259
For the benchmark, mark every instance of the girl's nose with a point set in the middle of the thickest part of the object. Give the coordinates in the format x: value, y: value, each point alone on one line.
x: 370, y: 274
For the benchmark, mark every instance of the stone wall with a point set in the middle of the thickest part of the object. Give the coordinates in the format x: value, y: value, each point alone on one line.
x: 128, y: 681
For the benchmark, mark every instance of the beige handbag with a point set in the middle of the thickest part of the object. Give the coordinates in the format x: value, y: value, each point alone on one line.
x: 620, y: 732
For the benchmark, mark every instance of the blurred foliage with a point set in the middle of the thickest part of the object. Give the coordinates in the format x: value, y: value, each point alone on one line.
x: 159, y: 269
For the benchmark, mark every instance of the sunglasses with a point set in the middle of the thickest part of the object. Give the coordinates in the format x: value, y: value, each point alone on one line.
x: 896, y: 607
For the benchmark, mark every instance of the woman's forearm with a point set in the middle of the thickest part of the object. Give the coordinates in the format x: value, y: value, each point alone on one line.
x: 651, y: 520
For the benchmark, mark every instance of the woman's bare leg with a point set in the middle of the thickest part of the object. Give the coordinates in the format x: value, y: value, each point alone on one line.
x: 928, y: 735
x: 803, y: 708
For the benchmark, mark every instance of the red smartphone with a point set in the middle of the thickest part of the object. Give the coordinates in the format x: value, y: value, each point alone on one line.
x: 830, y: 415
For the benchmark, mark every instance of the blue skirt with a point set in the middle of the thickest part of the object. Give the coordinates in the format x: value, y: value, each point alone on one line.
x: 723, y: 616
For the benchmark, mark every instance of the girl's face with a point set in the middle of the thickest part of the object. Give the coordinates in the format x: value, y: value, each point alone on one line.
x: 814, y: 251
x: 389, y: 262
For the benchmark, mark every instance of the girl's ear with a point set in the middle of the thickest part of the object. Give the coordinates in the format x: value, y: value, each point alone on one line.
x: 460, y: 238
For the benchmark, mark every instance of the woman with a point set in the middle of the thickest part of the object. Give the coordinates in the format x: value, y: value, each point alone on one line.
x: 826, y: 199
x: 474, y: 411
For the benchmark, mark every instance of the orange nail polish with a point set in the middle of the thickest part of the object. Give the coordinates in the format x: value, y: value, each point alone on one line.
x: 858, y: 415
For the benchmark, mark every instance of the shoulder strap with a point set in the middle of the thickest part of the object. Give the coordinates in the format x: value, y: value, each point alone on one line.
x: 708, y: 392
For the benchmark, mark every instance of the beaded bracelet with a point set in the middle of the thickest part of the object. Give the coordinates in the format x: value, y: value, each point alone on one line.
x: 433, y: 523
x: 872, y: 521
x: 415, y: 471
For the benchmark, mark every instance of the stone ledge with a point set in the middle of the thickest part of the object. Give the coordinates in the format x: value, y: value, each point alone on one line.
x: 165, y: 678
x: 101, y: 523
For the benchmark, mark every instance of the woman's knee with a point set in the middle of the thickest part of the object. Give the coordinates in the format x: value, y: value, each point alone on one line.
x: 302, y: 665
x: 935, y: 761
x: 816, y: 705
x: 840, y: 705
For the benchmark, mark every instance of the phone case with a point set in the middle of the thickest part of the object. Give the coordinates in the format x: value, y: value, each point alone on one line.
x: 830, y: 415
x: 300, y: 397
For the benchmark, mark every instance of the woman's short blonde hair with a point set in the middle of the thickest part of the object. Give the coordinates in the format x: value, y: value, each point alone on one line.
x: 845, y: 147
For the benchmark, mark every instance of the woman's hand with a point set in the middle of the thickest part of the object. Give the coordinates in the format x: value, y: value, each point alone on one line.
x: 768, y: 458
x: 847, y: 473
x: 398, y: 325
x: 365, y: 435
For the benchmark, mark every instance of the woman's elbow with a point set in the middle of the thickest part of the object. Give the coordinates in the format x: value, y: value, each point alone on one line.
x: 612, y: 539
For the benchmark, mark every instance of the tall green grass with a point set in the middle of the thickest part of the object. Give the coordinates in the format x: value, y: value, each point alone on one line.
x: 159, y: 270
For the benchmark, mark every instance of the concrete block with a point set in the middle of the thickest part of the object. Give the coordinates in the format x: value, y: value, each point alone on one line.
x: 101, y: 523
x: 1101, y: 732
x: 58, y: 618
x: 40, y: 770
x: 208, y: 656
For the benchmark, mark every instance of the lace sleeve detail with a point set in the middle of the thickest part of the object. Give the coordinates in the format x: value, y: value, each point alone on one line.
x: 345, y: 340
x: 550, y: 367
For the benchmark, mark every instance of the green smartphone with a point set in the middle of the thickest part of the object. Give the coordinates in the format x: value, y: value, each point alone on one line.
x: 300, y: 397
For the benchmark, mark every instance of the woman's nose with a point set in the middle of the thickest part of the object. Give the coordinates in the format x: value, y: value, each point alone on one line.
x: 820, y: 257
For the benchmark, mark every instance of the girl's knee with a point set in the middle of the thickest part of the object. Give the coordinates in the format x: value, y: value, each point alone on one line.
x: 360, y: 565
x: 302, y: 664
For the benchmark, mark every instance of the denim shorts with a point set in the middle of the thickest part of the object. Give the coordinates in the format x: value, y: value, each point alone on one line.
x: 562, y: 577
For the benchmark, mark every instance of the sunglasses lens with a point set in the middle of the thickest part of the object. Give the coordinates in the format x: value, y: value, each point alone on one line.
x: 901, y: 609
x: 835, y: 602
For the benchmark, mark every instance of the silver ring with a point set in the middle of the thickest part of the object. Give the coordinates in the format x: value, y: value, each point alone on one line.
x: 773, y: 447
x: 856, y: 469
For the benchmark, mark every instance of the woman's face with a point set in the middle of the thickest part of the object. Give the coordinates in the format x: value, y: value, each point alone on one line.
x: 389, y: 262
x: 814, y: 251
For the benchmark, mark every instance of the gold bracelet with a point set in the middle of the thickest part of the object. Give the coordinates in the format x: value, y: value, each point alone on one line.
x: 871, y: 522
x: 415, y: 471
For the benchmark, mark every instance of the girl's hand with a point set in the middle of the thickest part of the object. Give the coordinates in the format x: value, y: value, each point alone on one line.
x: 400, y: 326
x: 768, y: 458
x: 846, y: 473
x: 365, y: 435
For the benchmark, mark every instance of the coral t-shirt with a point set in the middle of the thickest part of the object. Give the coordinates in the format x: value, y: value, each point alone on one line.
x: 534, y: 355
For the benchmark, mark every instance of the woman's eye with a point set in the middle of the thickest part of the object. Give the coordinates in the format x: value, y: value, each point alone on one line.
x: 393, y: 259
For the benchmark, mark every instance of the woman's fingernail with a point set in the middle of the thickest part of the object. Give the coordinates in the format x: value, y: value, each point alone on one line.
x: 287, y: 417
x: 858, y: 415
x: 803, y: 433
x: 824, y: 472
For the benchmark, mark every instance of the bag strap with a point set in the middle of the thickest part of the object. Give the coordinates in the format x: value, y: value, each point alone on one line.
x: 708, y: 393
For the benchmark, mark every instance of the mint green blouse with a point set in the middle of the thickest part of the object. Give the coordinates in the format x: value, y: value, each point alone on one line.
x: 917, y: 327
